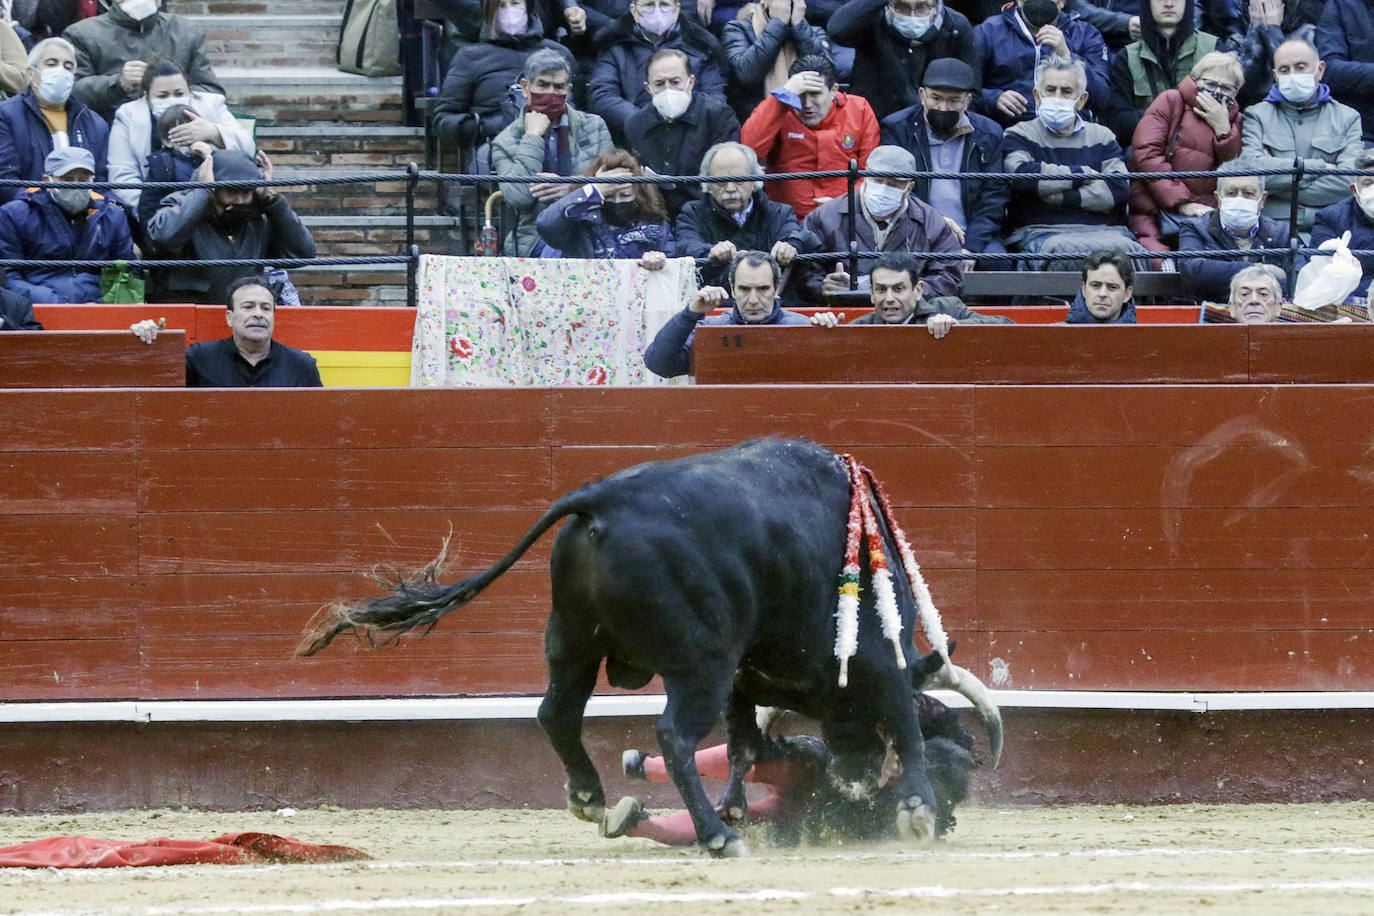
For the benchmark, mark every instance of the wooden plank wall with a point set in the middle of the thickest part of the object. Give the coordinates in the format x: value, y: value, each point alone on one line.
x: 91, y: 359
x: 173, y: 543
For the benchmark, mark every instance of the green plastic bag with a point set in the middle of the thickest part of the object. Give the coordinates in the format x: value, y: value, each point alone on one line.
x: 118, y: 284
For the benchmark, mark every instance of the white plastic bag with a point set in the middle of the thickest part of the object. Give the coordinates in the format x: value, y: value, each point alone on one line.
x: 1328, y: 279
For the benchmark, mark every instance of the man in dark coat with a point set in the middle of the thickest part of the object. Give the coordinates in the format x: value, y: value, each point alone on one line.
x: 1107, y: 294
x: 1354, y: 214
x: 45, y: 115
x: 671, y: 133
x: 617, y: 86
x: 63, y: 224
x: 898, y: 296
x: 894, y: 42
x: 737, y: 216
x: 1027, y: 32
x: 1236, y: 225
x: 113, y: 50
x: 226, y: 223
x: 1345, y: 40
x: 945, y: 136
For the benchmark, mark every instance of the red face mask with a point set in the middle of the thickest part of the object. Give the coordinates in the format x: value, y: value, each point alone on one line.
x: 552, y: 104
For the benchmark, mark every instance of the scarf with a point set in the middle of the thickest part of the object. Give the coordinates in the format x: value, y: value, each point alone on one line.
x: 787, y: 53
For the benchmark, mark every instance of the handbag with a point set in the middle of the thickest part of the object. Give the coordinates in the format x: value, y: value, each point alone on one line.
x: 118, y: 284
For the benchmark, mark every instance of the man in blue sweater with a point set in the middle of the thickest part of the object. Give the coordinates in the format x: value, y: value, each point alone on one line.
x: 1072, y: 206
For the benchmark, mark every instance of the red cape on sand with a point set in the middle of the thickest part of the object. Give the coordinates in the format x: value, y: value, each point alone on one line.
x: 230, y: 849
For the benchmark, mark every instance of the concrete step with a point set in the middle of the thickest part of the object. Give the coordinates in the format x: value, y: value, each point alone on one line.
x: 270, y: 41
x: 303, y: 95
x: 354, y: 235
x: 313, y: 145
x: 362, y: 284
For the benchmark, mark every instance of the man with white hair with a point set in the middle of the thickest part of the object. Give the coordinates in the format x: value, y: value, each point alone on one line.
x: 737, y: 216
x: 1255, y: 295
x: 889, y: 218
x: 46, y: 116
x: 1075, y: 205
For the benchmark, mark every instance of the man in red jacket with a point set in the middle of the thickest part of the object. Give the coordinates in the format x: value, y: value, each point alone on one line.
x: 808, y: 125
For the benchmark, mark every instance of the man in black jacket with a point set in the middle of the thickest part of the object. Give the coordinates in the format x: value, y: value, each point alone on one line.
x: 894, y: 41
x: 674, y: 130
x: 737, y: 216
x: 945, y: 136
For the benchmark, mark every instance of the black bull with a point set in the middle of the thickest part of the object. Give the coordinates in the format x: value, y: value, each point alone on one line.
x: 718, y: 572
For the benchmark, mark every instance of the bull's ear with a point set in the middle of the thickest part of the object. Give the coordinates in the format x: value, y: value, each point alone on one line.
x: 952, y: 644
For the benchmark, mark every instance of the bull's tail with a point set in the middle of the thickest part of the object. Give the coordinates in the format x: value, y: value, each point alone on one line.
x: 419, y: 600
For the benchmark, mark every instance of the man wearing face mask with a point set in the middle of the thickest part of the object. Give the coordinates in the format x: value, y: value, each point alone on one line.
x: 808, y: 125
x: 735, y: 216
x: 62, y: 224
x: 223, y: 223
x: 1354, y: 214
x: 1235, y: 225
x: 671, y: 133
x: 46, y: 116
x: 894, y: 42
x: 1014, y: 44
x: 618, y: 84
x: 753, y: 299
x: 112, y: 51
x: 890, y: 218
x: 1299, y: 119
x: 945, y: 136
x: 1075, y: 205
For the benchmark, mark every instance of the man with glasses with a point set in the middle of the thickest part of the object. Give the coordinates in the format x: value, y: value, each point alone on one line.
x: 894, y: 41
x: 618, y: 84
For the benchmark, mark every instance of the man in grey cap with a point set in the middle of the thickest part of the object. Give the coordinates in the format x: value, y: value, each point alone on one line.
x: 889, y: 217
x: 945, y: 136
x: 62, y: 224
x: 226, y: 223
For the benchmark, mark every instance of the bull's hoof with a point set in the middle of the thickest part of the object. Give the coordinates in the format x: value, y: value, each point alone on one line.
x: 587, y: 806
x: 726, y: 846
x: 916, y: 821
x: 632, y: 762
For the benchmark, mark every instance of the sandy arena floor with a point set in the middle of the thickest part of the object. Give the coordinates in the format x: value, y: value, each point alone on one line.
x: 1230, y: 859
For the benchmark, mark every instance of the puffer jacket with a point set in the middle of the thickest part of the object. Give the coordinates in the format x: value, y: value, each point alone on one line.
x: 32, y: 227
x: 888, y: 68
x: 1276, y: 132
x: 573, y: 226
x: 476, y: 101
x: 615, y: 88
x: 25, y: 140
x: 517, y: 154
x: 1008, y: 59
x: 1171, y: 138
x: 1153, y: 65
x: 103, y: 43
x: 751, y: 55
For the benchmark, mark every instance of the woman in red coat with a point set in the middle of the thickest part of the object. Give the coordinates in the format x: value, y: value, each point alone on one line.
x: 1193, y: 128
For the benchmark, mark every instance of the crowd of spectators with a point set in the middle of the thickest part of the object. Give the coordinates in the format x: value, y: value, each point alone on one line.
x: 1049, y: 103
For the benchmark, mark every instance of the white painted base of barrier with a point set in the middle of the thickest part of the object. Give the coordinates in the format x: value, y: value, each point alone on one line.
x: 524, y: 707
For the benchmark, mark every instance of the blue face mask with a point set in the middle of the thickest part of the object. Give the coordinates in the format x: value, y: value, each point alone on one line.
x: 657, y: 21
x: 1297, y: 87
x: 1056, y: 114
x: 1238, y: 214
x: 910, y: 27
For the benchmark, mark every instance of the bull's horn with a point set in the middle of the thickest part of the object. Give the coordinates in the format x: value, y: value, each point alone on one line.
x: 966, y: 683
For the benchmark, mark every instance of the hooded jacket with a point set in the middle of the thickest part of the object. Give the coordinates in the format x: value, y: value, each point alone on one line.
x: 616, y: 85
x: 1153, y: 65
x: 1079, y: 314
x: 985, y: 203
x: 476, y: 100
x: 1008, y: 59
x: 888, y: 67
x: 103, y: 43
x: 670, y: 352
x: 1276, y: 132
x: 33, y: 227
x: 703, y: 223
x: 25, y: 140
x: 784, y: 144
x: 1170, y: 137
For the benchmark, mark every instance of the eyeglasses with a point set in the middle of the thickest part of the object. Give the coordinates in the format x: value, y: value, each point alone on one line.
x: 1224, y: 88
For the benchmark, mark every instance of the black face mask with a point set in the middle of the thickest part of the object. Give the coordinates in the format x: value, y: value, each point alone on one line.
x: 1220, y: 97
x: 1039, y: 13
x: 942, y: 122
x: 236, y: 217
x: 619, y: 212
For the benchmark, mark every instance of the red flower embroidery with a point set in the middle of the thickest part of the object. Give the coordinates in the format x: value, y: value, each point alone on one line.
x: 528, y: 284
x: 460, y: 347
x: 597, y: 375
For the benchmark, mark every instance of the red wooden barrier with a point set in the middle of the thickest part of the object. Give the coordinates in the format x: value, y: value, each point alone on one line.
x: 308, y: 327
x: 90, y: 359
x: 173, y: 543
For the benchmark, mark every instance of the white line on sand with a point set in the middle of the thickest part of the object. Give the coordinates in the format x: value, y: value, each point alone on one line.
x: 930, y: 892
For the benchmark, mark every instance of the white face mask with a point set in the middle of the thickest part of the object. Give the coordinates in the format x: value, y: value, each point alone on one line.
x: 138, y: 10
x: 1297, y: 87
x: 1366, y: 200
x: 159, y: 106
x: 1056, y: 113
x: 672, y: 103
x: 55, y: 85
x: 882, y: 200
x: 1238, y: 214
